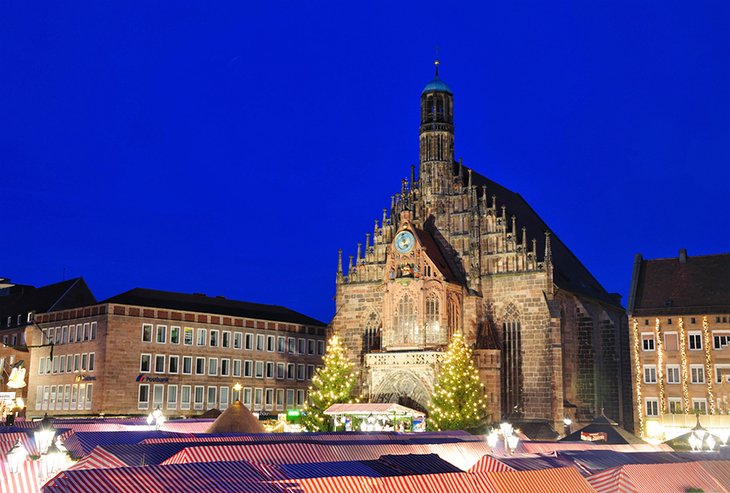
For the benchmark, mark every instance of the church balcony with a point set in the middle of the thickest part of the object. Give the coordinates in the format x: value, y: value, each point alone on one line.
x: 403, y: 358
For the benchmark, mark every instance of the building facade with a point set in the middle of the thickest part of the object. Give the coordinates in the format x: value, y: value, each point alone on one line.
x: 19, y: 305
x: 458, y: 252
x: 183, y: 353
x: 679, y: 312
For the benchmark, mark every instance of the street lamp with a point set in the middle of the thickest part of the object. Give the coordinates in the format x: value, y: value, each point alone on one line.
x: 157, y: 418
x: 511, y: 440
x: 16, y: 457
x: 700, y: 439
x: 237, y: 392
x: 44, y: 436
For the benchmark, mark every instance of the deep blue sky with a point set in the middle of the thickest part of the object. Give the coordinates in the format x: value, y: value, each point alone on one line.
x: 231, y: 149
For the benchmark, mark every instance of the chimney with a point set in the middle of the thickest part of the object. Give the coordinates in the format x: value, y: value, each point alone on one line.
x: 682, y: 255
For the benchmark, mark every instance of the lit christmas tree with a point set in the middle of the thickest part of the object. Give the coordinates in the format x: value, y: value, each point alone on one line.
x: 332, y: 384
x: 458, y: 401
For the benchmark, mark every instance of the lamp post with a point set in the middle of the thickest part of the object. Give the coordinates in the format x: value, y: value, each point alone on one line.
x: 567, y: 422
x: 16, y: 457
x: 43, y: 436
x: 700, y: 440
x: 237, y: 392
x: 157, y: 418
x: 507, y: 432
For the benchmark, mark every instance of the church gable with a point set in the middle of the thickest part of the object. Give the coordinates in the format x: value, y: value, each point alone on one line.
x: 414, y: 254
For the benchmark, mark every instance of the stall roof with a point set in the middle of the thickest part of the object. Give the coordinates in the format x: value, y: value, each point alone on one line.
x: 372, y: 408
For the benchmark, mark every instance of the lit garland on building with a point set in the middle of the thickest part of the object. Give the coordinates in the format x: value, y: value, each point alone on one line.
x: 709, y: 377
x: 334, y: 383
x: 458, y: 401
x: 685, y: 373
x: 637, y: 372
x: 660, y: 365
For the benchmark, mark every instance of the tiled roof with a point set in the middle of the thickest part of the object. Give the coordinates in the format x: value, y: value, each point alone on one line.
x: 671, y: 286
x: 568, y: 272
x: 207, y: 304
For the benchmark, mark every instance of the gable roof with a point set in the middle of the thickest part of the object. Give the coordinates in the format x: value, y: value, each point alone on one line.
x: 681, y: 285
x: 207, y: 304
x: 434, y: 254
x: 22, y: 298
x: 568, y: 272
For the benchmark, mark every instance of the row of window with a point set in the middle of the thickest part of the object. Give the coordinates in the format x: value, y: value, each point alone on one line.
x: 692, y: 320
x: 674, y: 406
x: 29, y: 317
x: 672, y: 374
x: 66, y: 363
x: 720, y: 340
x: 210, y: 397
x: 64, y: 397
x: 70, y: 333
x: 228, y: 339
x: 13, y: 339
x: 172, y: 364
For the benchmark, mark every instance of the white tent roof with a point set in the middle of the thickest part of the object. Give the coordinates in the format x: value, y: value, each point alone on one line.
x: 366, y: 409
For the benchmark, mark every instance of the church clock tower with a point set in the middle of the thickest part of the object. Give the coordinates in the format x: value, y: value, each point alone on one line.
x: 436, y: 137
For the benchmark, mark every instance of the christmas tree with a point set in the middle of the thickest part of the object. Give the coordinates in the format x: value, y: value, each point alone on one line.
x: 458, y: 401
x: 334, y: 383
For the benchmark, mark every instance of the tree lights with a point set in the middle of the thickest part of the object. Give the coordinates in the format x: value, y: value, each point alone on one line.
x: 637, y: 377
x: 458, y: 400
x: 685, y: 372
x: 660, y: 365
x: 709, y: 377
x: 334, y: 383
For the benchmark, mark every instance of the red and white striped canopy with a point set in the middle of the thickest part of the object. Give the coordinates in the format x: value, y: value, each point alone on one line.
x: 489, y: 464
x: 24, y: 481
x: 558, y: 480
x: 657, y: 478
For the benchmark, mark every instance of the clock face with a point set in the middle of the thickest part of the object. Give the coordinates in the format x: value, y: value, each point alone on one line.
x: 404, y: 242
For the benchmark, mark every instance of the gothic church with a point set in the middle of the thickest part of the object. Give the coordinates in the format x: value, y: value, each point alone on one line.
x: 459, y: 252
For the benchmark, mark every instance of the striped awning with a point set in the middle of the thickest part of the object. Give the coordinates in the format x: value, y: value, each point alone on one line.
x: 559, y: 480
x: 489, y: 464
x: 226, y: 477
x: 657, y: 478
x: 24, y: 481
x: 337, y: 484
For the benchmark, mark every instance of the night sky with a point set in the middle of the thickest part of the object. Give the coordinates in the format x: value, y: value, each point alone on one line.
x: 231, y: 149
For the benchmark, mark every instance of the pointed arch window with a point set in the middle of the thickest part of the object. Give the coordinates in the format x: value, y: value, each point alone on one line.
x: 371, y: 337
x: 433, y: 333
x: 512, y: 384
x: 453, y: 316
x: 405, y: 330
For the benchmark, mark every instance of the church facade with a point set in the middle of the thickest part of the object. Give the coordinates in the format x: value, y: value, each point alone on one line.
x: 458, y: 252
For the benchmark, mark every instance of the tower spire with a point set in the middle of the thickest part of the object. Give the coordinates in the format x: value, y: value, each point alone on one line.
x: 436, y: 64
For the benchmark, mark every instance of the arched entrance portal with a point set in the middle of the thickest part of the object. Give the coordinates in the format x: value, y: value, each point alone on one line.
x: 402, y: 387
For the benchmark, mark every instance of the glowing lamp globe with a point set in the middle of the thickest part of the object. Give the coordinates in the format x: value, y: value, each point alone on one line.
x: 16, y: 457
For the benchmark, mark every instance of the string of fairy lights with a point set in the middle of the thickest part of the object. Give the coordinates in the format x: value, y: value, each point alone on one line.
x: 685, y: 372
x: 660, y: 365
x: 637, y: 373
x: 708, y: 365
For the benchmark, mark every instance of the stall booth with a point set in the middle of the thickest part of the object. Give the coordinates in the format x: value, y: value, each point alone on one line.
x: 376, y: 417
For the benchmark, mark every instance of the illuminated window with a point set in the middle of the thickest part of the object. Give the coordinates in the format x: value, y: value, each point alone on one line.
x: 432, y: 320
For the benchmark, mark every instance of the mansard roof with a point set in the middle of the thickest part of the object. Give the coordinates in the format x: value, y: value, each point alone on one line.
x: 207, y: 304
x: 20, y: 299
x: 680, y: 285
x: 569, y: 273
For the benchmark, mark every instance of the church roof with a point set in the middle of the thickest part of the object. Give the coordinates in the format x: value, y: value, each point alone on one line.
x: 434, y: 253
x: 568, y: 272
x: 436, y: 85
x: 208, y: 304
x: 681, y: 285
